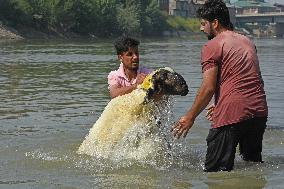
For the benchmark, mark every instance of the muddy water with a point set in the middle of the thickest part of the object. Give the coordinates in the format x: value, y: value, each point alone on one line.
x: 52, y: 92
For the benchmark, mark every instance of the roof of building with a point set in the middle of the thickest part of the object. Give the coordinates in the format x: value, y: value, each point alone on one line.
x: 278, y: 5
x: 252, y: 3
x: 201, y: 2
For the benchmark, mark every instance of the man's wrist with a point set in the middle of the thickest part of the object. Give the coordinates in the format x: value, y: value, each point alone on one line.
x: 189, y: 117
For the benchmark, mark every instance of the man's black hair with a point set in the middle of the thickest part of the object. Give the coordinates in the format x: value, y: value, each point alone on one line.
x: 215, y: 9
x: 123, y: 43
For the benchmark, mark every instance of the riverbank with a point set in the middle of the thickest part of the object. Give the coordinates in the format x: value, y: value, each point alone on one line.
x: 7, y: 33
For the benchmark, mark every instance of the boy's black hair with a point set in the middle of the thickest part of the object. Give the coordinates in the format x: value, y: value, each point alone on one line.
x: 215, y: 9
x: 123, y: 43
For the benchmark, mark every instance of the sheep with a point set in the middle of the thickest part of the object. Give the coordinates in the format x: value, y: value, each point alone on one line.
x: 128, y: 124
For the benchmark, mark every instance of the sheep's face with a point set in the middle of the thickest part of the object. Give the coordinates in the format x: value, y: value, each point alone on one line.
x: 164, y: 81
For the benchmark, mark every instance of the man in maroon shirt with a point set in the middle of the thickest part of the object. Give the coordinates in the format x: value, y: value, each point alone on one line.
x: 231, y: 73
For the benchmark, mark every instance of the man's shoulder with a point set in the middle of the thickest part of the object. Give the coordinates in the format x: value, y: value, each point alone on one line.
x: 114, y: 73
x: 211, y: 45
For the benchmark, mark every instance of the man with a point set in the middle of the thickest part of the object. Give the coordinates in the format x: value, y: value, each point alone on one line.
x: 129, y: 75
x: 231, y: 73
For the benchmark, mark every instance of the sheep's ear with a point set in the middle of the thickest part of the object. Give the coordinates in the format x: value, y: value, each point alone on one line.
x: 147, y: 83
x: 148, y: 86
x: 149, y: 94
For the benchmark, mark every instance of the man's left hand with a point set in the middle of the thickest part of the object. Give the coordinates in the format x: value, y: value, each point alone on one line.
x: 140, y: 78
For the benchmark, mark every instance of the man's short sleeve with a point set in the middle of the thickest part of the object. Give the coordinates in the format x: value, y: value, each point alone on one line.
x: 209, y: 57
x: 112, y: 79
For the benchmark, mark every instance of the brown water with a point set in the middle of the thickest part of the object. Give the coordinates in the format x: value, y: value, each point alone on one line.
x: 52, y: 92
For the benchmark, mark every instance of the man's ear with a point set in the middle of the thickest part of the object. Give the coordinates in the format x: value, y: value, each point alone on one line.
x: 215, y: 24
x: 119, y: 57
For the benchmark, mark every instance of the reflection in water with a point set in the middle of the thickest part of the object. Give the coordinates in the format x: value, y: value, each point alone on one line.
x: 224, y: 180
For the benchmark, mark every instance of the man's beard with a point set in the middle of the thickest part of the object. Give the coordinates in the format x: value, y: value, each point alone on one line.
x: 211, y: 34
x: 136, y: 67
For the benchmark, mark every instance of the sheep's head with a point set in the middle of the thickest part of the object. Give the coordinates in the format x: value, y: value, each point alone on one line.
x: 164, y: 81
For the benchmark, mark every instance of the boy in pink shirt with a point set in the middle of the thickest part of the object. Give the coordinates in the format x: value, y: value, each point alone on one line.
x: 129, y: 74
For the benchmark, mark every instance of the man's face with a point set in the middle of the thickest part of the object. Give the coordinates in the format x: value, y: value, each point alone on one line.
x: 207, y: 28
x: 130, y: 58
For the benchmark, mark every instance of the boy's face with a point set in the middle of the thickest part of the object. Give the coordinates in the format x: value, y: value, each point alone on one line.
x: 130, y: 58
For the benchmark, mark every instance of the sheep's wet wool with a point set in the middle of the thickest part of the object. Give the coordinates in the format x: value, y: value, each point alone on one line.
x: 130, y: 125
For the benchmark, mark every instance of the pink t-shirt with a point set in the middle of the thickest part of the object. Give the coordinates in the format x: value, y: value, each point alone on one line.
x: 239, y: 94
x: 118, y: 77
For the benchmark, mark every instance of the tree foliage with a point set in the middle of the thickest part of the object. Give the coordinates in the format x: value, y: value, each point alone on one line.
x: 94, y: 17
x: 184, y: 24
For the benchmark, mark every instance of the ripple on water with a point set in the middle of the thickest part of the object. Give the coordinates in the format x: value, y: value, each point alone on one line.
x: 10, y: 182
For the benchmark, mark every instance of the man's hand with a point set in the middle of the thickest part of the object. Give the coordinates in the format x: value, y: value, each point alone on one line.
x: 140, y: 78
x: 209, y: 113
x: 182, y: 127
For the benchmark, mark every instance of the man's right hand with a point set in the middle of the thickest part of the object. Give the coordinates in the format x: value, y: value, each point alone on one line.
x: 182, y: 127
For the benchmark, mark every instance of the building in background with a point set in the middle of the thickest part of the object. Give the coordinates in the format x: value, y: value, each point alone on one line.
x: 179, y: 8
x: 253, y: 7
x: 279, y: 7
x: 264, y: 21
x: 195, y: 4
x: 164, y: 5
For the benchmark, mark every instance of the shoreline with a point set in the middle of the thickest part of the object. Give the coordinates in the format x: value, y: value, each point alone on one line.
x: 25, y: 33
x: 7, y: 33
x: 11, y: 34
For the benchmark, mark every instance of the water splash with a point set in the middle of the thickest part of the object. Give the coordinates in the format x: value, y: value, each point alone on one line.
x: 130, y: 132
x: 140, y: 137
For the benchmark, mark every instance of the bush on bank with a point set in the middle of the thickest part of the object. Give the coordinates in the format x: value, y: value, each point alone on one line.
x: 101, y: 18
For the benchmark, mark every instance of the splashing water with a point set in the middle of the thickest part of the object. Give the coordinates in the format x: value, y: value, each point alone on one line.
x: 129, y: 133
x: 129, y: 129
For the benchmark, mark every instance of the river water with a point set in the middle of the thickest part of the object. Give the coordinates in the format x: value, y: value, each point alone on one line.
x: 52, y: 92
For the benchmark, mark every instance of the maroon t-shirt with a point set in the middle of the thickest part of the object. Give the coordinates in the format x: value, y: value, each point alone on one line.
x: 239, y: 93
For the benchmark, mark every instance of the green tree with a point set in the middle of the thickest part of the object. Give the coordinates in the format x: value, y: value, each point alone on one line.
x: 95, y: 17
x: 107, y: 24
x: 128, y: 20
x: 43, y: 12
x: 79, y: 16
x: 15, y: 12
x: 153, y: 20
x: 184, y: 24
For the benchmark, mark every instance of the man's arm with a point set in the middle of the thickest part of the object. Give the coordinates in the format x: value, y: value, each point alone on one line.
x: 202, y: 99
x: 115, y: 90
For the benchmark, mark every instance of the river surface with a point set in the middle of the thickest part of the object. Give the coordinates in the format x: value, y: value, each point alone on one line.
x: 52, y: 92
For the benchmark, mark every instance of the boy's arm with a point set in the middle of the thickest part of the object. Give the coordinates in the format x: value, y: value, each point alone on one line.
x: 116, y: 90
